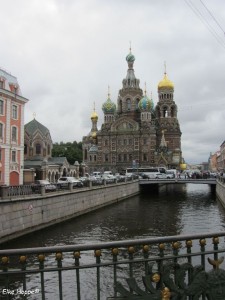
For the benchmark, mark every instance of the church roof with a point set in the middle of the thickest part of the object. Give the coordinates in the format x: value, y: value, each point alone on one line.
x: 57, y: 160
x: 34, y: 126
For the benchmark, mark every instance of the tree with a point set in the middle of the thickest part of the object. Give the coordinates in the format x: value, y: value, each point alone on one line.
x: 72, y: 151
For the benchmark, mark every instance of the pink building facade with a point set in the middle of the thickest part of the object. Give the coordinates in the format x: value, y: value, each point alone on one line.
x: 11, y: 130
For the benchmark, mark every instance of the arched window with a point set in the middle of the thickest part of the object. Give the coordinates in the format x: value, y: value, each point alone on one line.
x: 120, y: 106
x: 128, y: 104
x: 38, y: 149
x: 14, y: 134
x: 173, y: 112
x: 165, y: 112
x: 136, y: 104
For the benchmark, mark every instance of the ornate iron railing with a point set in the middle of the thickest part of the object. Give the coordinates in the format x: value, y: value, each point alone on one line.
x: 175, y: 267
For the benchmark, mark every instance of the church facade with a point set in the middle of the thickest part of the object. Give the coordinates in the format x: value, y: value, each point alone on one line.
x: 135, y: 133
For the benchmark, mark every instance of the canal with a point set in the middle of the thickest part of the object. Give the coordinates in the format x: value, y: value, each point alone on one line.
x: 172, y: 210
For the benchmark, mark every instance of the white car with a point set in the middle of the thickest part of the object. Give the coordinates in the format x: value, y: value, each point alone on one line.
x: 64, y: 182
x: 170, y: 175
x: 160, y: 176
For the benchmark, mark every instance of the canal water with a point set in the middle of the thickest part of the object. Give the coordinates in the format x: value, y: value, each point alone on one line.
x: 172, y: 210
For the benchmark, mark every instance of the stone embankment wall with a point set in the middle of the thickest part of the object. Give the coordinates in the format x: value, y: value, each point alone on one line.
x: 220, y: 190
x: 24, y: 215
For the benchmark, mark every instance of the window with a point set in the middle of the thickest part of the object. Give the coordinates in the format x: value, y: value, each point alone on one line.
x: 13, y: 155
x: 1, y: 107
x: 145, y: 157
x: 38, y: 149
x: 1, y: 131
x: 128, y: 104
x: 25, y: 149
x: 106, y: 157
x: 14, y: 112
x: 137, y: 102
x: 14, y: 134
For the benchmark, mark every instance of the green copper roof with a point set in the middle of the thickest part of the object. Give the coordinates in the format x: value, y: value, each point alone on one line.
x: 34, y: 126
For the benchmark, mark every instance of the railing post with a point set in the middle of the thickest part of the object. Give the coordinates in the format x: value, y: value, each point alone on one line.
x: 4, y: 191
x: 70, y: 186
x: 42, y: 190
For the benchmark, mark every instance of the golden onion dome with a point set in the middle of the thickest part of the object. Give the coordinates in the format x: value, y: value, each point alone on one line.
x: 94, y: 116
x: 165, y: 83
x: 94, y: 134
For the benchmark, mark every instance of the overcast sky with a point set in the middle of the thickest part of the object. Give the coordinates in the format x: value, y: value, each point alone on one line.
x: 65, y: 53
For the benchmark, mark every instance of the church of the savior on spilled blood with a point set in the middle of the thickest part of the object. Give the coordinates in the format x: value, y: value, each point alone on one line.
x: 135, y: 133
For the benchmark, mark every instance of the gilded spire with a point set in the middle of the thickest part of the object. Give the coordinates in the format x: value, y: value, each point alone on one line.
x: 165, y: 67
x: 108, y: 91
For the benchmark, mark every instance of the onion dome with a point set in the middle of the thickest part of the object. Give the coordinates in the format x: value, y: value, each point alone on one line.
x: 130, y: 57
x: 94, y: 116
x: 145, y: 104
x: 94, y: 134
x: 165, y: 83
x: 108, y: 106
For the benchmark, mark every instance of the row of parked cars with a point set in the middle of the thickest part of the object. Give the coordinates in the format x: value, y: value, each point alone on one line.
x: 63, y: 182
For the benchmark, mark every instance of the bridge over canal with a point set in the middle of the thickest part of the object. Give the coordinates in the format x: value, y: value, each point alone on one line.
x: 144, y: 182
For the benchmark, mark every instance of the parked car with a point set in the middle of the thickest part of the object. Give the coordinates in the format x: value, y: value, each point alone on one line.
x: 63, y: 182
x: 49, y: 187
x: 170, y: 174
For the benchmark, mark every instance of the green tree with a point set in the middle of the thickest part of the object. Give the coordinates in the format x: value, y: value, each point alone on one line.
x: 72, y: 151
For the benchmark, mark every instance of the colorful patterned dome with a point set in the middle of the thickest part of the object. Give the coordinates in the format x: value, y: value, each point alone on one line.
x: 165, y: 83
x: 145, y: 104
x: 130, y: 57
x: 109, y: 107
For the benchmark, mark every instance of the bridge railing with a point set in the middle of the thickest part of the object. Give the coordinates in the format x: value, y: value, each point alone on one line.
x: 175, y: 267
